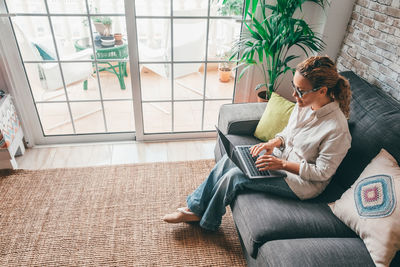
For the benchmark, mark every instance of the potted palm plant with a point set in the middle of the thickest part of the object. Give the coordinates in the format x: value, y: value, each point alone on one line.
x: 272, y: 30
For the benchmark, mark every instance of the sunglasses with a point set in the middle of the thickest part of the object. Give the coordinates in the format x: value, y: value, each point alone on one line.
x: 302, y: 93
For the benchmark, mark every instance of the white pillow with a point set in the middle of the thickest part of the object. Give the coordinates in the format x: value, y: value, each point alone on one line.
x: 369, y: 208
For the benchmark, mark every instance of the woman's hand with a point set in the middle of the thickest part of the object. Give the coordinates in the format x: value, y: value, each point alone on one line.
x: 257, y: 149
x: 269, y: 162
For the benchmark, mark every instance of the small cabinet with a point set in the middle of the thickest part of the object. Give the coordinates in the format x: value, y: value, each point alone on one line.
x: 11, y: 135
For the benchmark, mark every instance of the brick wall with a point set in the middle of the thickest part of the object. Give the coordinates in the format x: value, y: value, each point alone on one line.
x: 371, y: 47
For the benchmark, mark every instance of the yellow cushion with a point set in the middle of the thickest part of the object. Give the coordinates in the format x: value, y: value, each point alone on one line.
x: 275, y: 117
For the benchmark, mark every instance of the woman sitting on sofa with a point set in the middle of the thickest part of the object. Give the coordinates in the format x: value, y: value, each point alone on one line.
x: 309, y: 149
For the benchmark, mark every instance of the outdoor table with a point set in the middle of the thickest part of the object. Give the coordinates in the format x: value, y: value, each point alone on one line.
x: 117, y: 52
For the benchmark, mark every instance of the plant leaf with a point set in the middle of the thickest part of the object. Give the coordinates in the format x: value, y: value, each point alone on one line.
x: 261, y: 85
x: 244, y: 71
x: 253, y: 8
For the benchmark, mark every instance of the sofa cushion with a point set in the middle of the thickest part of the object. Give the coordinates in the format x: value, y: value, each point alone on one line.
x: 374, y: 124
x: 261, y: 217
x: 315, y: 252
x: 275, y: 117
x: 369, y: 208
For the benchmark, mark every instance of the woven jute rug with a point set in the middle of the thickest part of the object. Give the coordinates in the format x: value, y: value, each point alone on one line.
x: 108, y: 216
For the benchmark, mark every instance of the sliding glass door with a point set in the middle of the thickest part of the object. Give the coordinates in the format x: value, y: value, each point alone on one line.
x: 144, y: 67
x: 181, y: 44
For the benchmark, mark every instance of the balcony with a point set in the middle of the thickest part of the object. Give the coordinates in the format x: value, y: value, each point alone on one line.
x: 88, y: 116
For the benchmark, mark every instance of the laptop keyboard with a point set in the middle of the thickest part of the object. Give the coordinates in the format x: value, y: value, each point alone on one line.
x: 250, y: 161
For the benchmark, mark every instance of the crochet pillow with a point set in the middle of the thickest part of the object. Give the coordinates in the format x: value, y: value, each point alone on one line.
x: 275, y: 117
x: 369, y: 208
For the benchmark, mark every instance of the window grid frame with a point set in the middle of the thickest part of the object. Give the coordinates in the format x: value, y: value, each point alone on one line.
x: 95, y: 61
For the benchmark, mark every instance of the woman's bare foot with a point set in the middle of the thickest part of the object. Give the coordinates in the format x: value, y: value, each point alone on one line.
x: 181, y: 215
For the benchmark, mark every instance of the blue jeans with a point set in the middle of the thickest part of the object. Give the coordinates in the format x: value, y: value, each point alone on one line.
x: 222, y: 185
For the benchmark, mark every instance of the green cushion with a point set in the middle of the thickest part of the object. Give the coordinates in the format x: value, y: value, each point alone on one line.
x: 274, y: 118
x: 43, y: 52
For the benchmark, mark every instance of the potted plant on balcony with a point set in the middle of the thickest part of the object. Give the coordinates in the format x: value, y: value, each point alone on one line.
x: 224, y: 71
x: 230, y: 7
x: 103, y: 25
x: 272, y: 30
x: 225, y: 67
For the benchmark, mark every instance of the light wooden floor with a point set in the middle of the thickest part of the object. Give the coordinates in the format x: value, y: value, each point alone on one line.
x: 69, y: 156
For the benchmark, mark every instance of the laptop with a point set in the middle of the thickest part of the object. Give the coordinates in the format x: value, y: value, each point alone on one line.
x: 241, y: 156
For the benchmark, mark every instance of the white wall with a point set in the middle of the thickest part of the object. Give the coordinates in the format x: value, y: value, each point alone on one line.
x: 331, y: 23
x: 334, y: 29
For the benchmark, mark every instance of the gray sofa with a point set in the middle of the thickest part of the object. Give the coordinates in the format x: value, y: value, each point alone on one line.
x: 275, y: 231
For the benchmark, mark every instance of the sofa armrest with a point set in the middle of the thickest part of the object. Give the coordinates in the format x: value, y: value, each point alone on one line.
x: 240, y: 119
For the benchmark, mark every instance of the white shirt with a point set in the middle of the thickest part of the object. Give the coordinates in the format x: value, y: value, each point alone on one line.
x: 319, y: 141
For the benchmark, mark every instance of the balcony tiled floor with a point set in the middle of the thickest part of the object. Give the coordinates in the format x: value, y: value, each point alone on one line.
x: 157, y: 116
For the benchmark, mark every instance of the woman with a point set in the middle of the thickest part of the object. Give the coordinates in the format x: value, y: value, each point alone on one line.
x: 309, y: 149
